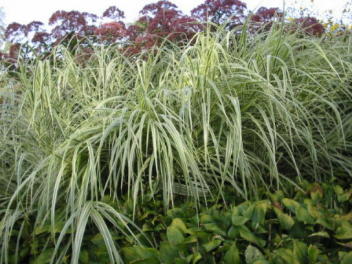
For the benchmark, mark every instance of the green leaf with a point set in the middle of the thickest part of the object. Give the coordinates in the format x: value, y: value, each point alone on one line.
x: 249, y: 211
x: 277, y: 196
x: 48, y: 228
x: 326, y: 222
x: 214, y: 228
x: 168, y: 253
x: 141, y: 255
x: 320, y: 234
x: 253, y: 254
x: 301, y: 212
x: 292, y: 205
x: 344, y: 231
x: 261, y: 261
x: 286, y: 221
x: 286, y: 255
x: 233, y: 232
x: 338, y: 189
x: 232, y: 255
x: 246, y: 234
x: 244, y: 209
x: 313, y: 254
x: 300, y: 251
x: 84, y: 257
x: 174, y: 235
x: 44, y: 257
x: 347, y: 258
x: 190, y: 239
x: 304, y: 216
x: 194, y: 258
x: 98, y: 240
x: 316, y: 192
x: 259, y: 212
x: 342, y: 196
x: 313, y: 211
x: 211, y: 245
x: 238, y: 220
x: 179, y: 261
x: 179, y: 224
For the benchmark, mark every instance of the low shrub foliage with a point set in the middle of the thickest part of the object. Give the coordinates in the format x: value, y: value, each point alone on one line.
x: 314, y: 226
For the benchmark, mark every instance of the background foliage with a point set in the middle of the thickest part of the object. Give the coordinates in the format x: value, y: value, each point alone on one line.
x: 157, y: 21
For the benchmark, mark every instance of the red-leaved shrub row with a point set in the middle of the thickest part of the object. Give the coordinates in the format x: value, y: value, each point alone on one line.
x: 157, y: 22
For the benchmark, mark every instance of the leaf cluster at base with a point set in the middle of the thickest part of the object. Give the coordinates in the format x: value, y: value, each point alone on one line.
x: 312, y: 226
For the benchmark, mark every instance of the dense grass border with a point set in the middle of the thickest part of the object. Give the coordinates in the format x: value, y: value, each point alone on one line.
x: 235, y: 111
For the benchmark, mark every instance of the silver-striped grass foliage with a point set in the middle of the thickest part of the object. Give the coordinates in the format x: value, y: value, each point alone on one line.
x: 241, y: 111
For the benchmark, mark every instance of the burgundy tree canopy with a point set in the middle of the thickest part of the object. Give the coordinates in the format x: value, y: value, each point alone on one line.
x: 220, y: 11
x: 158, y: 22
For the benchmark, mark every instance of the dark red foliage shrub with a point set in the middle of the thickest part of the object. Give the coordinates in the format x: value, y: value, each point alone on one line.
x: 10, y: 58
x: 111, y: 32
x: 14, y: 50
x: 264, y: 18
x: 134, y: 30
x: 79, y: 23
x: 265, y: 15
x: 147, y: 41
x: 185, y: 27
x: 34, y: 26
x: 15, y: 32
x: 114, y: 13
x: 83, y: 55
x: 41, y: 37
x: 221, y: 11
x: 160, y: 6
x: 160, y: 21
x: 309, y: 25
x: 158, y: 18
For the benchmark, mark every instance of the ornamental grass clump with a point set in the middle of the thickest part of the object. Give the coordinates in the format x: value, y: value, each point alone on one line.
x: 230, y: 110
